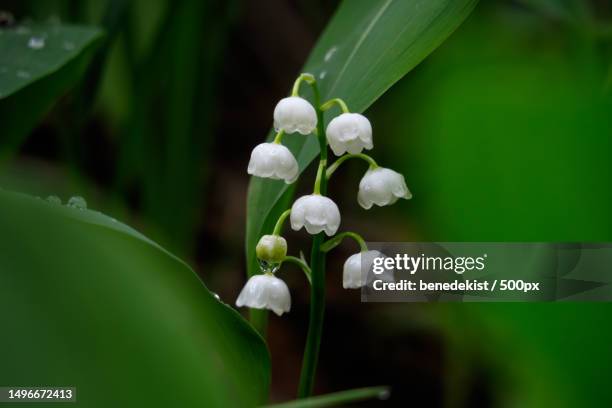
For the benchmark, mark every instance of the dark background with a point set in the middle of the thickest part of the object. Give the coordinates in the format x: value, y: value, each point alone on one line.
x: 503, y: 134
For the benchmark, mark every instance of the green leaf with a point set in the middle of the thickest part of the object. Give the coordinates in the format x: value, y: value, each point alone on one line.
x: 38, y: 64
x: 518, y: 159
x: 366, y: 48
x: 562, y: 10
x: 88, y: 302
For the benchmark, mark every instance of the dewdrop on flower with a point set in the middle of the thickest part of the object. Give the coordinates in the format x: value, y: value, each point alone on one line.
x: 295, y: 114
x: 265, y: 292
x: 274, y: 161
x: 349, y: 132
x: 316, y: 213
x: 352, y: 274
x: 382, y: 187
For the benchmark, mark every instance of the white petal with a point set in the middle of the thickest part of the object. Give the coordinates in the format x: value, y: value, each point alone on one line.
x: 295, y: 114
x: 363, y: 201
x: 354, y: 146
x: 316, y: 213
x: 351, y: 274
x: 298, y: 213
x: 253, y: 293
x: 279, y: 299
x: 381, y: 186
x: 350, y: 132
x: 265, y: 292
x: 336, y: 146
x: 358, y: 266
x: 275, y: 161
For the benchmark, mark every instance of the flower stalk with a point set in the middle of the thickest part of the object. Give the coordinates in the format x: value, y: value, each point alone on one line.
x: 346, y: 135
x: 335, y: 241
x: 334, y: 166
x: 305, y: 77
x: 303, y: 265
x: 321, y: 174
x: 278, y: 228
x: 317, y: 266
x: 336, y: 101
x: 279, y: 137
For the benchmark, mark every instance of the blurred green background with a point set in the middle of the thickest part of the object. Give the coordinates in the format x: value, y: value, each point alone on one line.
x: 503, y: 134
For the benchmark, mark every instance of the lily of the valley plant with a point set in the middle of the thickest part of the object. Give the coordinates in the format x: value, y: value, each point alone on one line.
x: 347, y: 134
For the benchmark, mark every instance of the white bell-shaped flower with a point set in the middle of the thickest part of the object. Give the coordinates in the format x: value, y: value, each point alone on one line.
x: 295, y: 114
x: 381, y: 186
x: 275, y: 161
x: 316, y: 213
x: 353, y: 275
x: 349, y: 132
x: 265, y: 292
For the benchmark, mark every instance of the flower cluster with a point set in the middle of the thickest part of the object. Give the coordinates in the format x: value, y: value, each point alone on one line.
x: 347, y: 134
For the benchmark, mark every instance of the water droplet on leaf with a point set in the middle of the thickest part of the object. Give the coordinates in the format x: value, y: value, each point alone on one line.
x: 36, y: 43
x: 68, y: 45
x: 23, y: 74
x: 330, y: 53
x: 53, y: 199
x: 77, y: 202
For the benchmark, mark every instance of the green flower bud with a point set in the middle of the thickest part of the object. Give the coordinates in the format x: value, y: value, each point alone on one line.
x: 271, y: 248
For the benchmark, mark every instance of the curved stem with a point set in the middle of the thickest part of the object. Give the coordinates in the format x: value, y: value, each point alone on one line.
x: 301, y: 264
x: 317, y: 265
x: 334, y: 166
x: 279, y: 137
x: 278, y: 228
x: 336, y: 101
x: 335, y: 241
x: 309, y: 78
x: 320, y: 172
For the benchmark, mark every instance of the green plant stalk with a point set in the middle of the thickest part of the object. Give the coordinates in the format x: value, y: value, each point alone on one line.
x: 278, y: 228
x: 336, y: 101
x: 317, y: 266
x: 303, y: 265
x: 335, y: 241
x: 334, y: 166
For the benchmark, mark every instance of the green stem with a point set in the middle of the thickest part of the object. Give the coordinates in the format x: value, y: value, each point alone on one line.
x: 320, y: 177
x: 334, y: 166
x: 309, y: 78
x: 335, y: 241
x: 278, y: 228
x: 301, y: 264
x: 317, y: 265
x: 336, y: 398
x: 336, y: 101
x: 279, y: 137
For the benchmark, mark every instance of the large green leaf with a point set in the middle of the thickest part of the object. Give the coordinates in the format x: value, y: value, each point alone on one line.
x: 86, y: 301
x: 510, y: 141
x: 37, y: 64
x: 366, y: 48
